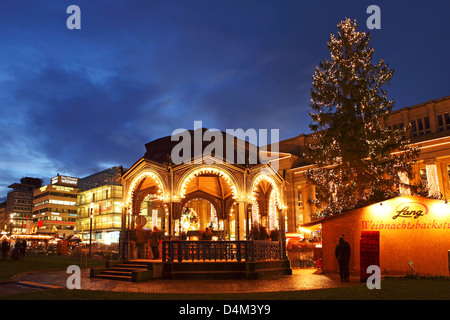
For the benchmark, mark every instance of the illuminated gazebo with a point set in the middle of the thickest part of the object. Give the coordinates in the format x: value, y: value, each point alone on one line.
x: 184, y: 199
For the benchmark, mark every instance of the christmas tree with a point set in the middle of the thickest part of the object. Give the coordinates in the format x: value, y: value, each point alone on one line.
x: 358, y: 162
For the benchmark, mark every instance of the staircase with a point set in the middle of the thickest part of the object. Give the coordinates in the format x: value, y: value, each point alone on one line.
x: 134, y: 270
x: 144, y: 270
x: 226, y: 270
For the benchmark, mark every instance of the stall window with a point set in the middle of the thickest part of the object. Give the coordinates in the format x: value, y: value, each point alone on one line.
x: 300, y: 197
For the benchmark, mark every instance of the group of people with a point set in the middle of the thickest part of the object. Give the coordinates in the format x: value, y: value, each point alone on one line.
x: 143, y: 237
x: 18, y: 250
x: 260, y: 233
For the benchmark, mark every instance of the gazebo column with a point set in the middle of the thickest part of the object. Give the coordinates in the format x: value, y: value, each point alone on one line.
x: 240, y: 220
x: 174, y: 214
x: 282, y: 228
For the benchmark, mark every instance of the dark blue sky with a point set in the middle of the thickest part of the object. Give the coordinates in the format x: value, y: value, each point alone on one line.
x: 78, y: 101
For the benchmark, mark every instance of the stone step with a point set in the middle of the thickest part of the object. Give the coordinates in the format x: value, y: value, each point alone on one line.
x: 131, y: 266
x: 114, y: 277
x: 117, y: 272
x: 126, y: 268
x: 199, y: 275
x: 127, y: 271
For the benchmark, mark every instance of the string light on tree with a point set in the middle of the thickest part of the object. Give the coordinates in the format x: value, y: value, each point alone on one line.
x: 357, y: 159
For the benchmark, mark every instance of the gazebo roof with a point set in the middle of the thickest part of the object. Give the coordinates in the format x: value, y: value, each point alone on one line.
x: 160, y: 150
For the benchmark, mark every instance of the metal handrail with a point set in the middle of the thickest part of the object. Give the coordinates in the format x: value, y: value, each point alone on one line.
x: 203, y: 250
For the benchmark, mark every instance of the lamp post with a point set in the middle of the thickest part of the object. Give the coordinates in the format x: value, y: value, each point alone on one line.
x: 11, y: 223
x: 123, y: 247
x: 90, y: 230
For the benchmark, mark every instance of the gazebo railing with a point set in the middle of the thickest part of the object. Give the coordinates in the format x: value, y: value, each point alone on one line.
x: 256, y: 250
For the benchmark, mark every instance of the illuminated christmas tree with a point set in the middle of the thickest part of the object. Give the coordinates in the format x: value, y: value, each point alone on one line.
x: 358, y: 161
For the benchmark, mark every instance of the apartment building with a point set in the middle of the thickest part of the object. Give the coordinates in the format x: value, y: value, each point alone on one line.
x: 19, y: 204
x: 55, y: 207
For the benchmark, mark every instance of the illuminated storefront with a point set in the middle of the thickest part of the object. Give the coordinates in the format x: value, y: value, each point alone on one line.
x: 102, y: 205
x: 406, y: 235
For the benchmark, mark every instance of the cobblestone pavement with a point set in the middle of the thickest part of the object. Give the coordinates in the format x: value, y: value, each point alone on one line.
x: 302, y: 279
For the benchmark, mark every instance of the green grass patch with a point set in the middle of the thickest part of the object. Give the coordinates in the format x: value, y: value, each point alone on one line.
x: 9, y: 268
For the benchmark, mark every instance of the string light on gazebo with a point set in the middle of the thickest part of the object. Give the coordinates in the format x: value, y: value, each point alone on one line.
x: 208, y: 170
x: 136, y: 181
x: 269, y: 180
x: 273, y: 216
x: 255, y: 211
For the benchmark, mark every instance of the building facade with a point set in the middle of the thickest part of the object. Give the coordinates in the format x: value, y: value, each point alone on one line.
x: 19, y: 204
x: 55, y: 207
x: 3, y: 218
x: 99, y: 206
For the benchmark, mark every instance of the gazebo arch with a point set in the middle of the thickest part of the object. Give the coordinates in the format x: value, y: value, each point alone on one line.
x: 258, y: 178
x: 232, y: 182
x: 267, y: 203
x: 161, y: 189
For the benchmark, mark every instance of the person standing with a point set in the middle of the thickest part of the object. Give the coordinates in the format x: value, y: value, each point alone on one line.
x: 5, y: 248
x: 263, y: 235
x: 274, y: 235
x: 155, y: 238
x: 23, y: 249
x: 141, y: 239
x: 342, y: 253
x: 255, y: 230
x: 207, y: 235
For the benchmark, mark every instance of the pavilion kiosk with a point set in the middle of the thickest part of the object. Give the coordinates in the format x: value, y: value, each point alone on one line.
x: 183, y: 199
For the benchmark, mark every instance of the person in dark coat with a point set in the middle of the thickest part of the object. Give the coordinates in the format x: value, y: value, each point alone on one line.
x: 342, y: 253
x: 255, y: 231
x: 263, y: 235
x: 207, y: 235
x: 155, y: 238
x: 274, y: 235
x: 23, y: 248
x: 141, y: 239
x: 5, y: 248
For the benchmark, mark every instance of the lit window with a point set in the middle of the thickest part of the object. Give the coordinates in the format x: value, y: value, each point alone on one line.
x: 423, y: 176
x: 443, y: 121
x: 300, y: 197
x: 448, y: 172
x: 420, y: 126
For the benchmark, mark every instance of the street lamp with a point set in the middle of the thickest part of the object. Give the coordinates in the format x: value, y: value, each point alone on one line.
x: 11, y: 223
x: 90, y: 230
